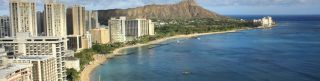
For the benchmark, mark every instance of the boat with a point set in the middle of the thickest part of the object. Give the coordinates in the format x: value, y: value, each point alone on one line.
x: 186, y: 73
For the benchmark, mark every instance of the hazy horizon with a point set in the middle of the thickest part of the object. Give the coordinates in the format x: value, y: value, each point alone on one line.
x: 226, y: 7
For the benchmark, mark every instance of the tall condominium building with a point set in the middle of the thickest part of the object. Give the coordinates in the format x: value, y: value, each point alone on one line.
x: 55, y: 19
x: 92, y: 20
x: 139, y: 27
x: 4, y: 26
x: 23, y: 17
x: 40, y: 24
x: 24, y: 44
x: 117, y: 29
x: 100, y: 35
x: 44, y: 66
x: 16, y: 72
x: 76, y: 28
x: 76, y: 20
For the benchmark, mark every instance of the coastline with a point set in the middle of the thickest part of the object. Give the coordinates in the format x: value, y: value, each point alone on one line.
x: 100, y: 58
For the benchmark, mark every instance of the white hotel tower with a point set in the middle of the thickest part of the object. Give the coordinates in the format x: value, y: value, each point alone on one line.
x: 23, y: 17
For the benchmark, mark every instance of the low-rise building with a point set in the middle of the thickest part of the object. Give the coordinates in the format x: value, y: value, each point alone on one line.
x: 100, y: 35
x: 72, y: 62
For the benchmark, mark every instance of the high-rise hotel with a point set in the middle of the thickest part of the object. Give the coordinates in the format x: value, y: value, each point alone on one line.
x: 23, y: 17
x: 4, y: 26
x: 45, y: 52
x: 55, y: 19
x: 76, y: 28
x: 122, y: 29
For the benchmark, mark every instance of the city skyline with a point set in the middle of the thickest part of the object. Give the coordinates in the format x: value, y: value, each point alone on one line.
x: 226, y: 7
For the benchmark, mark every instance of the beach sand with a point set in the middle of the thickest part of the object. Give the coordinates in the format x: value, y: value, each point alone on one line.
x: 101, y: 58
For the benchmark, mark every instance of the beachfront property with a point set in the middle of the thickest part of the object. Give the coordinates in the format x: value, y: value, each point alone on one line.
x: 23, y: 17
x: 25, y: 44
x: 265, y: 21
x: 117, y: 29
x: 44, y: 66
x: 100, y: 35
x: 138, y: 27
x: 4, y: 26
x: 123, y: 29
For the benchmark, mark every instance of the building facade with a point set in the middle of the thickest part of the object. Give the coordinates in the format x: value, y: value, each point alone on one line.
x: 92, y: 20
x: 23, y: 17
x: 72, y: 62
x: 265, y: 21
x: 55, y: 19
x: 40, y: 24
x: 3, y: 57
x: 76, y: 28
x: 76, y: 20
x: 24, y: 44
x: 117, y: 29
x: 100, y: 35
x: 43, y: 69
x: 139, y: 27
x: 15, y: 72
x: 5, y: 26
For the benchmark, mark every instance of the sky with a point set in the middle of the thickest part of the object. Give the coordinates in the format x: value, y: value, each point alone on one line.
x: 223, y: 7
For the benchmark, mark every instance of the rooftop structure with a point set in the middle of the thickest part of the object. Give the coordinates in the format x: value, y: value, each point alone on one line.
x: 16, y: 72
x: 44, y: 66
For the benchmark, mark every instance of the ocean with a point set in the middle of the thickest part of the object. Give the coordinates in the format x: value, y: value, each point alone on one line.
x: 288, y: 52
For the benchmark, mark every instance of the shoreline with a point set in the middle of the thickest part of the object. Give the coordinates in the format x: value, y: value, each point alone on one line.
x: 101, y: 58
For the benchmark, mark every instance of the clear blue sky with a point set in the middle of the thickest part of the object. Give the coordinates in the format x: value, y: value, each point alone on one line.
x: 224, y: 7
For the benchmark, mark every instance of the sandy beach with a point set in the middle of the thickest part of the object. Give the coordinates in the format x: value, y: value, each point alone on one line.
x: 100, y: 58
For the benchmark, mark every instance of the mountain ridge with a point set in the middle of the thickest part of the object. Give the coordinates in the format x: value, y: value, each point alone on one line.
x: 185, y: 9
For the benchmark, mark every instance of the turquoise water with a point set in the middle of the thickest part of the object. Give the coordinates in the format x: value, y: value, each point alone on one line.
x: 288, y: 52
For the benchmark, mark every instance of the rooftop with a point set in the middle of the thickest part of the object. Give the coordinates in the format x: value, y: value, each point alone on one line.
x: 71, y: 58
x: 6, y: 70
x: 36, y: 57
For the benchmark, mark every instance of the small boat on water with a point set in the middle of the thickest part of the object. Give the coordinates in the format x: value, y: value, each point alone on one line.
x: 186, y: 73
